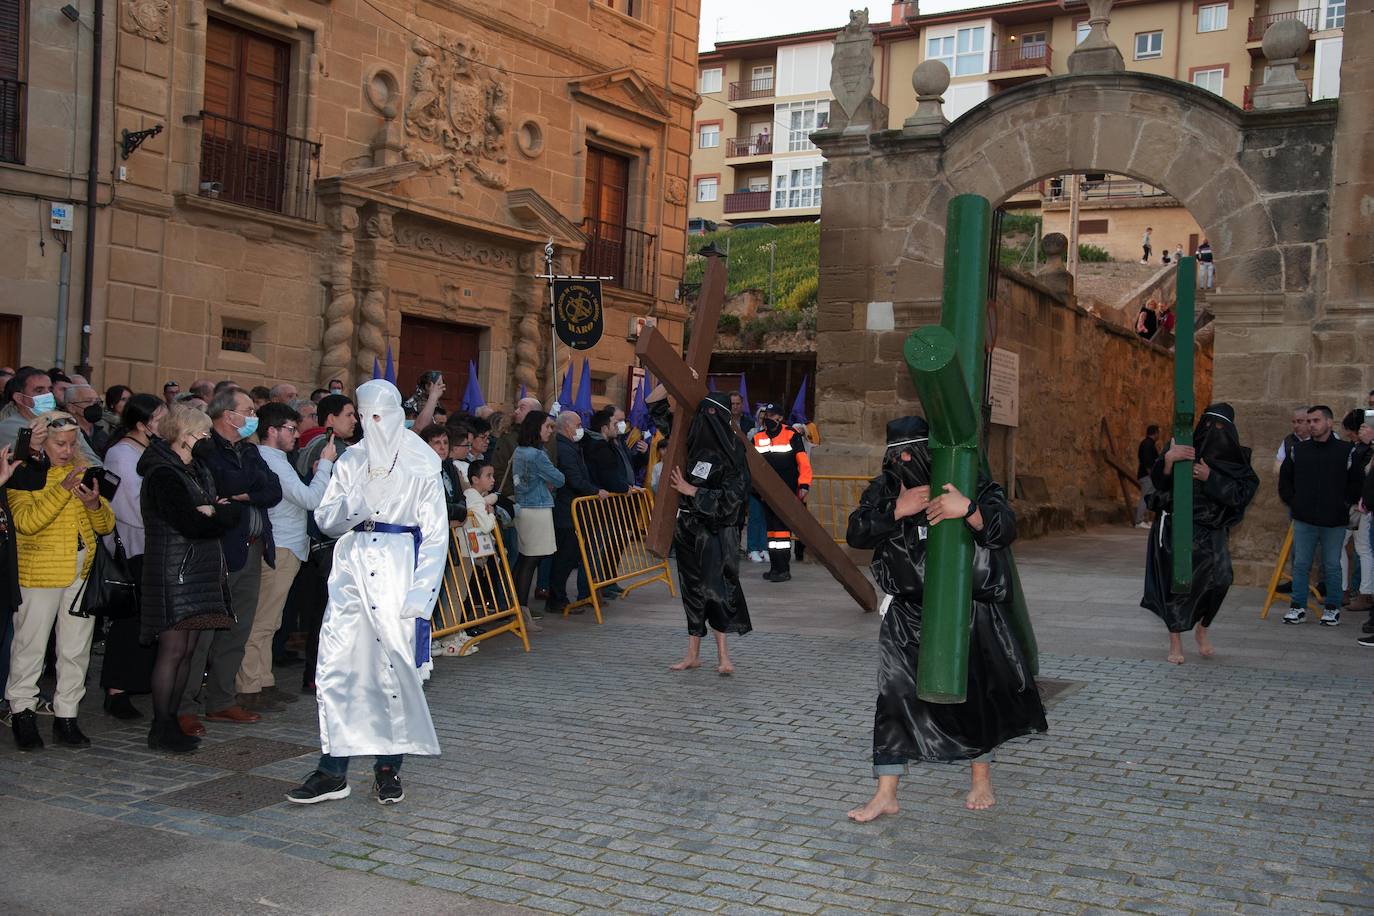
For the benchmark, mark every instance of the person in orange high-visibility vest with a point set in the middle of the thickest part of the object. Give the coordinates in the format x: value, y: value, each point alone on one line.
x: 785, y: 451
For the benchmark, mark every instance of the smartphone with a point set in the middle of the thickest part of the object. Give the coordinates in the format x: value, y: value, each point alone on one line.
x: 23, y: 445
x: 91, y: 478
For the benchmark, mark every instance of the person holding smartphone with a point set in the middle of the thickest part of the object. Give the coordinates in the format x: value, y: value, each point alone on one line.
x: 57, y: 527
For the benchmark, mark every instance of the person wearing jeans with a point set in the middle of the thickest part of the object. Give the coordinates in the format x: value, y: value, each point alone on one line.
x: 1319, y: 481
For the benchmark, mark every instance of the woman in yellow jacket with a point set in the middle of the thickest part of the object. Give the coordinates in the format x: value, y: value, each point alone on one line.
x: 57, y: 527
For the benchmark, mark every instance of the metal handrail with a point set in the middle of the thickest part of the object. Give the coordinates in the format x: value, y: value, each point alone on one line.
x: 761, y: 88
x: 1309, y: 17
x: 13, y: 96
x: 1021, y: 57
x: 257, y: 166
x: 757, y: 145
x: 628, y: 256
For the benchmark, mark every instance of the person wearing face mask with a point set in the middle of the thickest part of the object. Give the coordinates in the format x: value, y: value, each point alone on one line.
x: 29, y: 395
x: 785, y: 452
x: 128, y: 663
x: 241, y: 476
x: 576, y: 482
x: 893, y: 519
x: 57, y: 527
x: 385, y: 504
x: 185, y: 589
x: 82, y: 402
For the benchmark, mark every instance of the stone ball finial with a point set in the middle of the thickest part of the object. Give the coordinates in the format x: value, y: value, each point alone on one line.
x: 1286, y: 39
x: 930, y: 78
x: 1054, y: 245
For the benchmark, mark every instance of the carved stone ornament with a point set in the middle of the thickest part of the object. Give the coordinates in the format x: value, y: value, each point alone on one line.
x: 458, y: 114
x: 676, y: 191
x: 148, y: 18
x: 416, y: 238
x: 851, y: 78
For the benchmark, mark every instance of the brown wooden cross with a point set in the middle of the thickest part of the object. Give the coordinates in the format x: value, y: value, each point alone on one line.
x: 683, y: 381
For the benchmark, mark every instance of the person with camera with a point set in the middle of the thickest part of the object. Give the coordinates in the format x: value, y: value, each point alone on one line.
x: 57, y: 527
x: 428, y: 390
x: 185, y: 582
x: 128, y: 664
x: 27, y: 470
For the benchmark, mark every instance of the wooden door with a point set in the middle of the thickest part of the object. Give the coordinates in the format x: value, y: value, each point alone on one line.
x: 428, y: 344
x: 9, y: 341
x: 605, y: 204
x: 244, y: 145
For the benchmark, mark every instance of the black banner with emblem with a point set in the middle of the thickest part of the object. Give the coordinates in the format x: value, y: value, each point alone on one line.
x: 577, y: 314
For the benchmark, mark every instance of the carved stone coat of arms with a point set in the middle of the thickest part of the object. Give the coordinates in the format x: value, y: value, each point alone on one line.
x: 457, y: 114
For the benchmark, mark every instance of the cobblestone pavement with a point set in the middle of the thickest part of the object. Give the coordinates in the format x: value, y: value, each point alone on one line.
x: 585, y: 777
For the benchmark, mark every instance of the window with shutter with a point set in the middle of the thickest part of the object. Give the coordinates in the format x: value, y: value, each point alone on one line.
x: 13, y: 37
x: 244, y: 146
x: 613, y: 248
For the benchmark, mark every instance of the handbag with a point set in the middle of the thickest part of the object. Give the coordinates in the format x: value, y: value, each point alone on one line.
x: 111, y: 589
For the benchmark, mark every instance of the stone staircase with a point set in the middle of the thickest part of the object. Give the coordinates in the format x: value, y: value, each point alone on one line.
x: 1110, y: 288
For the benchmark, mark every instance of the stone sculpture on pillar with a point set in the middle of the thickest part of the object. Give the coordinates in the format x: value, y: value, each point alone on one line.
x: 1097, y: 53
x: 930, y: 79
x: 1285, y: 42
x: 1055, y: 274
x: 851, y: 79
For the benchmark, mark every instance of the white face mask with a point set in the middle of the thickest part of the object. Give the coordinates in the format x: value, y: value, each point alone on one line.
x: 620, y: 428
x: 578, y: 434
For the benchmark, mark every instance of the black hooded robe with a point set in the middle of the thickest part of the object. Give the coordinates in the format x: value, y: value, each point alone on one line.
x: 706, y: 538
x: 1002, y: 700
x: 1219, y: 503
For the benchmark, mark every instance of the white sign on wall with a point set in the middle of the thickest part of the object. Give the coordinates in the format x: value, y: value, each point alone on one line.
x: 1004, y: 387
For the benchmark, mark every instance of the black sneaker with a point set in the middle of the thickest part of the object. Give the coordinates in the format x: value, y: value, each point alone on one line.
x: 388, y: 787
x: 25, y: 726
x: 1366, y: 641
x: 319, y: 786
x: 67, y: 733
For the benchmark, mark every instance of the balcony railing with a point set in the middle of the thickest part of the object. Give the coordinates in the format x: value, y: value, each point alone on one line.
x: 258, y: 167
x: 1308, y: 17
x: 760, y: 88
x: 758, y: 145
x: 1020, y: 57
x: 1113, y: 187
x: 626, y: 255
x: 747, y: 201
x: 12, y: 98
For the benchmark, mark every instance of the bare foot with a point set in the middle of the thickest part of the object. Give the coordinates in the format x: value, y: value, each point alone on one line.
x: 1204, y: 645
x: 725, y: 669
x: 1175, y: 655
x: 1175, y: 658
x: 685, y: 664
x: 980, y: 795
x: 879, y: 805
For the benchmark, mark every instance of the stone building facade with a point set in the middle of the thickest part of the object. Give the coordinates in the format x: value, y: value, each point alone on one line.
x: 336, y: 177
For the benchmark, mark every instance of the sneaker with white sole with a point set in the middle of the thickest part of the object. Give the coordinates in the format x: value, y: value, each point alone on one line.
x: 1295, y: 615
x: 1366, y: 641
x: 318, y: 787
x: 388, y: 787
x: 1331, y: 617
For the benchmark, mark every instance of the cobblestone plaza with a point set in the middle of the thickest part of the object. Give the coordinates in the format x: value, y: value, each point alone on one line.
x: 584, y: 777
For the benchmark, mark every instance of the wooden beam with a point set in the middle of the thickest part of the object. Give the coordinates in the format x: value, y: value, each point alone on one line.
x: 685, y: 389
x: 659, y: 539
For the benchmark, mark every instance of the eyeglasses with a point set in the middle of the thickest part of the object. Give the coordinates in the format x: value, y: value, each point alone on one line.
x: 62, y: 423
x: 250, y: 412
x: 289, y: 428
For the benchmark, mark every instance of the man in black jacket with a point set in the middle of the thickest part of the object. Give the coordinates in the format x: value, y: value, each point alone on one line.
x: 612, y: 469
x: 1319, y: 481
x: 241, y: 476
x: 576, y: 482
x: 1146, y: 453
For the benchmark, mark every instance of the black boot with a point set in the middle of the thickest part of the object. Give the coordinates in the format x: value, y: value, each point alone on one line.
x: 25, y: 725
x: 121, y: 707
x: 780, y: 566
x: 166, y: 735
x: 67, y: 733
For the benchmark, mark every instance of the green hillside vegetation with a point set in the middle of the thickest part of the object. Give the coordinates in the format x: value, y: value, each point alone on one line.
x: 795, y: 264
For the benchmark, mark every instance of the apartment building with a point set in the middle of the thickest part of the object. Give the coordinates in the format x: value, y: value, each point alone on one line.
x: 751, y: 160
x: 285, y: 190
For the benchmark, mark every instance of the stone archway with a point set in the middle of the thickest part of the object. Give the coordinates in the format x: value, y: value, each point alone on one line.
x: 1258, y: 182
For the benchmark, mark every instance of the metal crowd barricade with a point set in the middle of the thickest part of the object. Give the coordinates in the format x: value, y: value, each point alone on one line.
x: 477, y: 592
x: 832, y: 498
x: 610, y: 535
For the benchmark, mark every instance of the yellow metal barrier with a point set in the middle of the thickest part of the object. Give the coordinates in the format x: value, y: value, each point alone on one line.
x: 832, y: 498
x: 477, y: 592
x: 610, y: 536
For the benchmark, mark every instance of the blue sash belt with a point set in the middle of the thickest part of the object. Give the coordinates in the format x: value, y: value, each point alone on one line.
x: 422, y: 626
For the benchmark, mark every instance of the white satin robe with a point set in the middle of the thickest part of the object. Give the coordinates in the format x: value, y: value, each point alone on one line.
x: 367, y: 686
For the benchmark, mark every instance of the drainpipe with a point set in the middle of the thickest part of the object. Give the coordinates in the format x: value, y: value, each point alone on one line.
x: 83, y: 366
x: 64, y: 287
